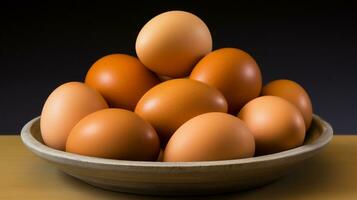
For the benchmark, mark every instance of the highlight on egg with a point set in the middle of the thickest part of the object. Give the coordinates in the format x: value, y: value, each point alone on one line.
x: 171, y: 103
x: 208, y: 137
x: 114, y: 133
x: 233, y: 72
x: 294, y: 93
x: 121, y: 79
x: 276, y: 124
x: 63, y: 109
x: 171, y: 43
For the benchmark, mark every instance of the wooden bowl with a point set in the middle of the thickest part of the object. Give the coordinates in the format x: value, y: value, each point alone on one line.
x: 180, y: 178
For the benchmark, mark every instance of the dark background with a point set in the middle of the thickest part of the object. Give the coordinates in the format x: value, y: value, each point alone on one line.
x: 46, y: 44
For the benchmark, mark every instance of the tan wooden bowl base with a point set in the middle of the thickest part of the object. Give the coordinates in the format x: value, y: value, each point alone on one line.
x: 181, y: 178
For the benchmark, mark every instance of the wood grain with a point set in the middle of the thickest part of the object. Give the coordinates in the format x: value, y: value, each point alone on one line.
x: 329, y: 175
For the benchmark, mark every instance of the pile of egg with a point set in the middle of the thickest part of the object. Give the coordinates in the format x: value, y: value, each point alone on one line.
x: 178, y: 101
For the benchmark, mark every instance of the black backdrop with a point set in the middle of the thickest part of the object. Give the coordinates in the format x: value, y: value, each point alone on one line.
x: 46, y: 44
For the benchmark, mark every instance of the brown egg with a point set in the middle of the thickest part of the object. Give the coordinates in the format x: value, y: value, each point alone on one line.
x: 114, y: 133
x: 121, y: 79
x: 171, y: 43
x: 63, y: 109
x: 276, y: 124
x: 208, y: 137
x: 234, y: 72
x: 170, y: 104
x: 294, y: 93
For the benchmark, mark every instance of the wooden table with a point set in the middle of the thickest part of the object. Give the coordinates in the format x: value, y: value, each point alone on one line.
x: 332, y: 174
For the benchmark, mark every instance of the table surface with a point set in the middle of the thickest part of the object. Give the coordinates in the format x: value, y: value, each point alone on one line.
x: 329, y: 175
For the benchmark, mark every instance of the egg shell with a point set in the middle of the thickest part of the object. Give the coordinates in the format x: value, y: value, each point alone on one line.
x: 171, y: 43
x: 208, y: 137
x: 171, y: 103
x: 121, y: 79
x: 294, y: 93
x: 233, y: 72
x: 114, y: 133
x: 276, y: 124
x: 63, y: 109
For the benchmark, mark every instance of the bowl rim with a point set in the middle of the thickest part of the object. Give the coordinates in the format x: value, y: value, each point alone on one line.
x: 39, y: 148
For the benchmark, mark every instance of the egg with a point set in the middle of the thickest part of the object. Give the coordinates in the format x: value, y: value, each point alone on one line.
x: 292, y: 92
x: 232, y: 71
x: 63, y: 109
x: 208, y: 137
x: 171, y: 103
x: 171, y: 43
x: 114, y: 133
x: 121, y: 79
x: 276, y: 124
